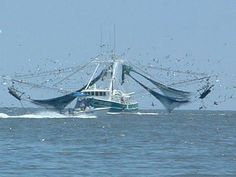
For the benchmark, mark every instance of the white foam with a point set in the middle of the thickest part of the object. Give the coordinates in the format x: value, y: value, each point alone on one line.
x: 85, y: 116
x: 41, y: 115
x: 2, y: 115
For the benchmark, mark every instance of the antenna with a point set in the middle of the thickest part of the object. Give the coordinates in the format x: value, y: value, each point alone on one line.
x: 101, y: 42
x: 114, y: 45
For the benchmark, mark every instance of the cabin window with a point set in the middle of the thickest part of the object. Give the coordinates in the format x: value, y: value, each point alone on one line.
x: 92, y: 93
x: 96, y: 93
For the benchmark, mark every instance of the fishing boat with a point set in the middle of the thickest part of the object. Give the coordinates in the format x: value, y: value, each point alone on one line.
x: 104, y: 90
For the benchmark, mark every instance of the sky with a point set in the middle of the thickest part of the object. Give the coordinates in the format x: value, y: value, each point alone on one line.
x: 70, y: 32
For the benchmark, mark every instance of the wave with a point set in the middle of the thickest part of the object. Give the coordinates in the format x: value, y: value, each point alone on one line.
x: 41, y: 115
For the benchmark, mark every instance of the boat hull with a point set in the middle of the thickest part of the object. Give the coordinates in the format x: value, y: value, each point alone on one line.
x: 112, y: 105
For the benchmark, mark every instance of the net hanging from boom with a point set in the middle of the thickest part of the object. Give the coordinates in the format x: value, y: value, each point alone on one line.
x: 59, y: 103
x: 170, y: 103
x: 170, y: 98
x: 167, y: 91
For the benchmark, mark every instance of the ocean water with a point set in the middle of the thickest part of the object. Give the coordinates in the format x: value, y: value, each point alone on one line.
x: 183, y: 143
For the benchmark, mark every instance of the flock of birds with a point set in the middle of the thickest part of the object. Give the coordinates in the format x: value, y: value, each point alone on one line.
x: 164, y: 66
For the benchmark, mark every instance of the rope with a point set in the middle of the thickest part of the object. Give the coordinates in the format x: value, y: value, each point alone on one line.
x: 77, y: 70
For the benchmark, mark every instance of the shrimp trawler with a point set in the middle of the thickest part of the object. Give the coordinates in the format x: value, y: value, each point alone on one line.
x: 104, y: 88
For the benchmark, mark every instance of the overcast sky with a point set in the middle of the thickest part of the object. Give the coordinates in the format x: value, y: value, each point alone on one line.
x: 201, y: 32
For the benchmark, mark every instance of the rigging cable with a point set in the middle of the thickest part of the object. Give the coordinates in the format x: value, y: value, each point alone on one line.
x: 182, y: 72
x: 37, y: 85
x: 177, y: 71
x: 77, y: 70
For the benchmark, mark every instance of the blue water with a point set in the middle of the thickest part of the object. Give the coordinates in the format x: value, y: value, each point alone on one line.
x: 183, y: 143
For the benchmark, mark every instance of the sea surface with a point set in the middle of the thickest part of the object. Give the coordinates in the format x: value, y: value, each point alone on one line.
x: 184, y: 143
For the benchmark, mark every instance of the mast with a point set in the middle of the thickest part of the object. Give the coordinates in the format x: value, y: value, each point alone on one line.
x: 113, y: 77
x: 114, y: 66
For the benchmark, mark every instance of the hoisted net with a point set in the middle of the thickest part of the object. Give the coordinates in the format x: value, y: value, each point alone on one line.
x: 167, y: 91
x: 170, y: 103
x: 59, y: 103
x: 171, y: 98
